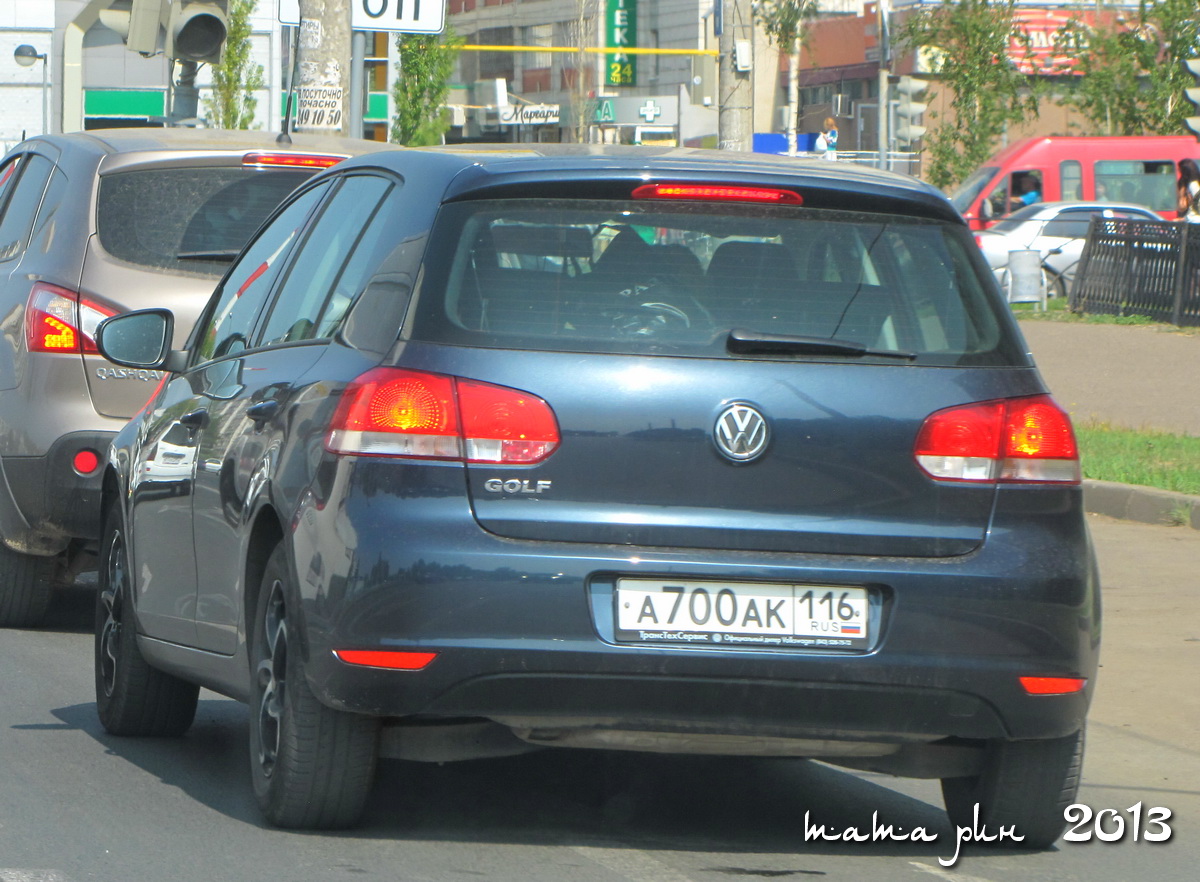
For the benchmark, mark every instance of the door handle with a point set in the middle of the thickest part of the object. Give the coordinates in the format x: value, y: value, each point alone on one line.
x: 197, y: 419
x: 263, y: 411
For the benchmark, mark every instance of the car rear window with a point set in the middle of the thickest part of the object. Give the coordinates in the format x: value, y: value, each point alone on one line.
x: 636, y: 277
x: 187, y: 220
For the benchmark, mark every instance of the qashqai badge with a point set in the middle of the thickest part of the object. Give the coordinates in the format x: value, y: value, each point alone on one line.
x: 741, y: 433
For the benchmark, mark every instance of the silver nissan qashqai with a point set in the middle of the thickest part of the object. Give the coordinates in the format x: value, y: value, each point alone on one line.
x: 476, y: 451
x: 93, y: 224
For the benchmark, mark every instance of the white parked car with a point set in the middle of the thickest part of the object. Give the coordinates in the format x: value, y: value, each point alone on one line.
x: 1057, y: 230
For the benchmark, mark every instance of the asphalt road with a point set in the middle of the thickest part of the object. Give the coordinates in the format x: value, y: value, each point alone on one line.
x: 76, y: 804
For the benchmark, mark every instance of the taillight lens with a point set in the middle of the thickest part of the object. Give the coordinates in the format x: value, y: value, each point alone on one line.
x: 1014, y: 440
x: 59, y: 320
x: 396, y: 412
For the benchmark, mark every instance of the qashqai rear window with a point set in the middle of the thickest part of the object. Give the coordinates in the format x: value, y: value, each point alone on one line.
x: 633, y: 277
x: 187, y: 220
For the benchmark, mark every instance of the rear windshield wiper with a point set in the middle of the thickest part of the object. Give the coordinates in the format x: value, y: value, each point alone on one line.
x: 743, y: 342
x: 225, y: 255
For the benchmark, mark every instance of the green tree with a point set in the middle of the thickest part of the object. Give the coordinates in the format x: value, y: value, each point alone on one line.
x: 1126, y: 77
x: 969, y: 42
x: 422, y: 84
x: 784, y: 21
x: 236, y: 78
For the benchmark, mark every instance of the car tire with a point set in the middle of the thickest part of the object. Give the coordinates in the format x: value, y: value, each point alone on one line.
x: 26, y: 587
x: 1025, y: 786
x: 132, y: 698
x: 312, y: 766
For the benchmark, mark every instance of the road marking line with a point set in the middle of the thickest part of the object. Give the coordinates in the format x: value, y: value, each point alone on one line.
x: 636, y: 866
x: 946, y: 874
x: 7, y: 875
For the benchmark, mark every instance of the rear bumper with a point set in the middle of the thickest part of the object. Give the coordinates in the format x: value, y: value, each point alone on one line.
x: 48, y: 503
x: 524, y: 630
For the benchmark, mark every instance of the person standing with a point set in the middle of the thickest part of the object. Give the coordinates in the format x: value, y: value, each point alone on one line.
x: 831, y: 138
x: 1188, y: 191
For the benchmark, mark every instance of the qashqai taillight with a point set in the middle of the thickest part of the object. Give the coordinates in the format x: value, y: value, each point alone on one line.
x: 60, y: 320
x: 397, y: 412
x: 1013, y: 440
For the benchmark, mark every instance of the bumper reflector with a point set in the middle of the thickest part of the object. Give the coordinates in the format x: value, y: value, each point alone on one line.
x: 86, y: 461
x: 1053, y: 685
x: 382, y: 658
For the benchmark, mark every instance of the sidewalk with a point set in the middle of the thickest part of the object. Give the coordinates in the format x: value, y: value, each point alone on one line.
x: 1131, y: 377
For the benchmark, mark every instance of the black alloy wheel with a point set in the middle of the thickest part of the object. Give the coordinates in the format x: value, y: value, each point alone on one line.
x: 132, y: 698
x: 312, y: 767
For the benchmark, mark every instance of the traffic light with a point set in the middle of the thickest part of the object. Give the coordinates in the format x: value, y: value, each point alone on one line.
x: 1193, y: 95
x: 909, y: 110
x: 137, y: 21
x: 196, y: 31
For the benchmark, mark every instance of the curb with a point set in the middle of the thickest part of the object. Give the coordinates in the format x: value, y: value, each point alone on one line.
x: 1143, y: 504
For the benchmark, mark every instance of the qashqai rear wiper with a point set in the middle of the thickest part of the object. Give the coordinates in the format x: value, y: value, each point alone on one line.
x: 744, y: 342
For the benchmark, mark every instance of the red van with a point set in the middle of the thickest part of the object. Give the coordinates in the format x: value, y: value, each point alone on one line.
x: 1130, y: 169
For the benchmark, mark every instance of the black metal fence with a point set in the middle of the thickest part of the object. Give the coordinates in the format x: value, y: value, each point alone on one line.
x: 1140, y: 267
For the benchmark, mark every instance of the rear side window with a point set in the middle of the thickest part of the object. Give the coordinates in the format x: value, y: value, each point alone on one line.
x: 328, y: 272
x: 22, y: 203
x: 229, y: 321
x: 192, y: 220
x: 639, y: 277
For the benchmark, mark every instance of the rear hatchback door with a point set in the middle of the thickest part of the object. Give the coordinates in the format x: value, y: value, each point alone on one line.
x: 723, y: 375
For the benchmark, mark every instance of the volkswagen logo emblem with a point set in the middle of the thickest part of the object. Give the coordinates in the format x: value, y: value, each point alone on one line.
x: 740, y: 433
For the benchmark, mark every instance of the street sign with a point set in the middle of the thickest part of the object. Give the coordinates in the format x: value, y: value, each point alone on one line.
x: 529, y: 114
x: 403, y: 16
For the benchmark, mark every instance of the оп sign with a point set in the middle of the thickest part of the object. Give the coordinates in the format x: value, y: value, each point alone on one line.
x: 405, y: 16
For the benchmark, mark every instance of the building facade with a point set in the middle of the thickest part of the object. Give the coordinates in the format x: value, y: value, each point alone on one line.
x: 93, y: 81
x: 531, y: 70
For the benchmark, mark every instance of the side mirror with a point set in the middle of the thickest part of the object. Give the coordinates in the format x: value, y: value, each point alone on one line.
x: 139, y: 339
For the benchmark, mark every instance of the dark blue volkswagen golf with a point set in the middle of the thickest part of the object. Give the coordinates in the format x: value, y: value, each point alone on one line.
x: 477, y: 451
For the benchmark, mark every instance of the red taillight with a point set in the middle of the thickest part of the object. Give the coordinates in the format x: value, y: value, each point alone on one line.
x: 396, y: 660
x: 1014, y: 440
x: 505, y: 425
x: 291, y: 160
x: 1053, y: 685
x: 59, y: 320
x: 710, y: 193
x: 395, y: 412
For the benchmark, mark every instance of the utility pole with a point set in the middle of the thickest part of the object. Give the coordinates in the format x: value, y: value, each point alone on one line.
x: 323, y: 84
x: 885, y: 50
x: 735, y: 90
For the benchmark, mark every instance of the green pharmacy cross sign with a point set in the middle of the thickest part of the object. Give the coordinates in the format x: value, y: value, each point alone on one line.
x: 620, y: 31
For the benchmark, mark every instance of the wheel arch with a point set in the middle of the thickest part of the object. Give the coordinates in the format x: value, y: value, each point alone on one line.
x: 266, y: 532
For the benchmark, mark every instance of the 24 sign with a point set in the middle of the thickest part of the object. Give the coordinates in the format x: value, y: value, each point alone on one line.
x: 403, y: 16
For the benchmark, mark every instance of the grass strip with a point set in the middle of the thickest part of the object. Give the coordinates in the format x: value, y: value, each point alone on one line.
x: 1147, y: 458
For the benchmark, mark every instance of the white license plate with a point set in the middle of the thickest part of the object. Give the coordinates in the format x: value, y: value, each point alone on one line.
x: 742, y: 614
